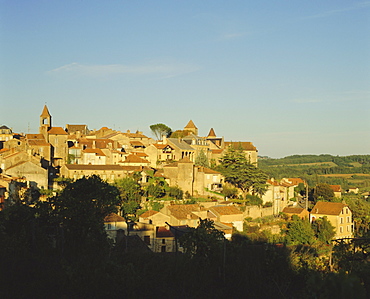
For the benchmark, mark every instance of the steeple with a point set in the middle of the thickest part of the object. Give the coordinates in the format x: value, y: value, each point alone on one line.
x: 45, y: 122
x: 191, y: 127
x: 211, y: 133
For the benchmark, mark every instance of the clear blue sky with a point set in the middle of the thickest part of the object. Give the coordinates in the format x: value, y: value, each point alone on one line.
x: 293, y: 77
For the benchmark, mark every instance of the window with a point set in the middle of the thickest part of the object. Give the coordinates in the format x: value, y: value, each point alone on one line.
x: 348, y: 219
x: 348, y: 228
x: 163, y: 249
x: 341, y: 229
x: 109, y: 226
x: 341, y: 219
x: 163, y: 241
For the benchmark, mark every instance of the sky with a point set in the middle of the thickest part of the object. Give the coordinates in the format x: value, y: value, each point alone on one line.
x: 293, y: 77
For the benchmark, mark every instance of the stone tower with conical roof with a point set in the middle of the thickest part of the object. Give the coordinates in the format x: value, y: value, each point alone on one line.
x: 45, y: 122
x: 191, y: 127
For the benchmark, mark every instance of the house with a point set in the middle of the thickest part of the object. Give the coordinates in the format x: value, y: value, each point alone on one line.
x: 278, y: 193
x: 164, y: 240
x: 354, y: 190
x: 113, y: 223
x: 106, y: 172
x: 134, y: 160
x: 250, y: 151
x: 159, y: 154
x: 300, y: 212
x: 339, y: 215
x: 191, y: 178
x: 155, y: 218
x: 337, y: 189
x: 228, y: 214
x: 183, y: 214
x: 32, y: 172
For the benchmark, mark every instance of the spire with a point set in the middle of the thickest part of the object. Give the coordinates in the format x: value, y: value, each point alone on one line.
x: 45, y: 112
x: 190, y: 125
x: 211, y: 133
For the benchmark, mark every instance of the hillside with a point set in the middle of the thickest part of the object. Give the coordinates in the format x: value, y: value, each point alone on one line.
x: 348, y: 171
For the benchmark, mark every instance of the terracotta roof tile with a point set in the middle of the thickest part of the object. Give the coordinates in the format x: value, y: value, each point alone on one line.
x: 247, y: 146
x: 163, y: 232
x: 113, y: 217
x: 148, y: 214
x: 96, y: 151
x: 226, y: 210
x: 57, y: 131
x: 135, y: 159
x: 328, y: 208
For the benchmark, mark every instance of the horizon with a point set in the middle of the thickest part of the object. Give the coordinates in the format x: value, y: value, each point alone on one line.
x: 290, y: 78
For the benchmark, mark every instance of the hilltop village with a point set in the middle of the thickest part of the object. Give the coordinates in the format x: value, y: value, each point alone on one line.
x: 40, y: 161
x: 100, y: 213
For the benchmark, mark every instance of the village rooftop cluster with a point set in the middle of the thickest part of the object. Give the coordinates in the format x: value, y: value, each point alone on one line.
x: 38, y: 160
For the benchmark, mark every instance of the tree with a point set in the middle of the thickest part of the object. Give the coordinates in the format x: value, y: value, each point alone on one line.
x: 80, y: 210
x: 203, y: 241
x: 201, y: 159
x: 323, y: 229
x: 160, y: 129
x: 130, y: 193
x: 323, y: 192
x: 242, y: 174
x: 299, y: 232
x: 129, y: 189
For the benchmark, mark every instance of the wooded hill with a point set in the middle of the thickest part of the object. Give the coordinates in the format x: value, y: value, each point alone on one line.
x: 348, y: 171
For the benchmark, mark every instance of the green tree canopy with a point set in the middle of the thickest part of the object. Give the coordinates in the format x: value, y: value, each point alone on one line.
x: 299, y: 232
x: 201, y: 159
x: 323, y: 192
x: 242, y: 174
x: 80, y: 210
x: 323, y: 229
x: 202, y: 241
x: 160, y: 129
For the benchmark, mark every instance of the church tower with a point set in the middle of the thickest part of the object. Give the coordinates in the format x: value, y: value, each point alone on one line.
x: 45, y: 122
x: 191, y: 127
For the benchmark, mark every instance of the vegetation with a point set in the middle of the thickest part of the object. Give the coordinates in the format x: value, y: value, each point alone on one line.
x: 201, y: 159
x: 242, y: 174
x: 58, y: 248
x: 347, y: 171
x: 160, y: 130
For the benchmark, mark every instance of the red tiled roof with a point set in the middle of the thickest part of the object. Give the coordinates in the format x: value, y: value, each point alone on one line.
x: 247, y: 146
x: 293, y: 210
x: 37, y: 142
x: 136, y: 143
x: 184, y: 211
x: 135, y: 159
x: 336, y: 188
x: 226, y: 210
x: 208, y: 170
x: 35, y: 136
x: 57, y: 131
x: 163, y: 232
x: 96, y: 151
x: 328, y: 208
x: 113, y: 217
x: 148, y: 214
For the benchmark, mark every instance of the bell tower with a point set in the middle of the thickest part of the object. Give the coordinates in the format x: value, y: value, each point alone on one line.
x: 45, y: 122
